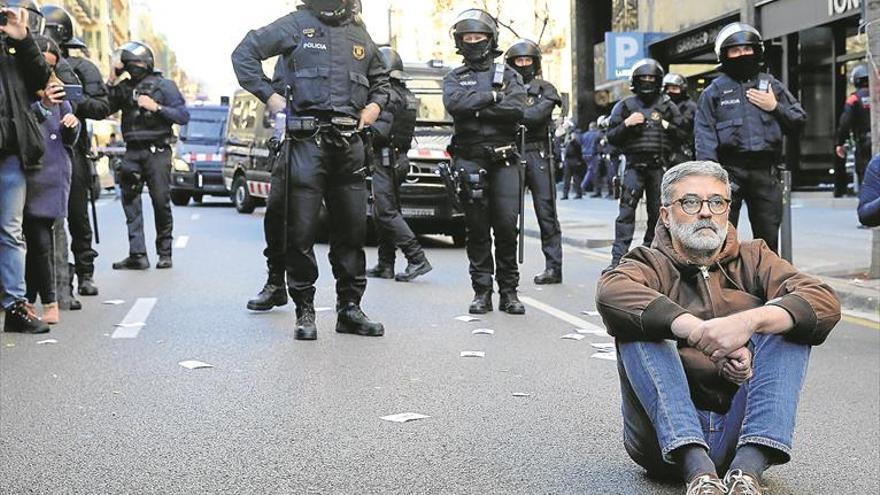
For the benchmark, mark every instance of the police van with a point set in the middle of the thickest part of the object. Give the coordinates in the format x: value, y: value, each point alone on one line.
x: 199, y: 155
x: 424, y: 201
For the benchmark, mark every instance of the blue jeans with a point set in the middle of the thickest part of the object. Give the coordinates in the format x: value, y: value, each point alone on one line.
x: 13, y: 191
x: 659, y: 415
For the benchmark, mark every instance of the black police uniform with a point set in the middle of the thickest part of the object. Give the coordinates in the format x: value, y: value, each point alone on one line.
x: 333, y: 70
x: 392, y: 140
x: 747, y: 142
x: 490, y: 182
x: 647, y: 148
x: 856, y: 120
x: 148, y: 137
x: 541, y: 99
x: 574, y: 167
x: 96, y: 106
x: 685, y: 150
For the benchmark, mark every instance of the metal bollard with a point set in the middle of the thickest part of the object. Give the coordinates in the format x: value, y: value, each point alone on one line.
x: 785, y: 234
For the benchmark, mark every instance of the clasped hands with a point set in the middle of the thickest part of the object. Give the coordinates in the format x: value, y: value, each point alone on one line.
x: 723, y: 340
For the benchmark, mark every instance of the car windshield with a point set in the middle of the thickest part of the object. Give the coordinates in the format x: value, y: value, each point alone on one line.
x: 204, y: 128
x: 429, y: 92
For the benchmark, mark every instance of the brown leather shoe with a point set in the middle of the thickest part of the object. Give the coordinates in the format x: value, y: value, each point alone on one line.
x: 706, y: 484
x: 740, y: 483
x: 50, y: 314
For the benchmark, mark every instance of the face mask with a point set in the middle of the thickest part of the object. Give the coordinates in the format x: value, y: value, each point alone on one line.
x: 677, y: 97
x: 528, y: 72
x: 138, y: 73
x: 475, y: 52
x: 646, y: 90
x: 742, y: 68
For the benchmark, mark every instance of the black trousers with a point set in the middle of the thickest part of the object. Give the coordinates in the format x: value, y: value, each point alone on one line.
x: 637, y: 181
x: 759, y: 187
x: 78, y: 215
x: 863, y: 156
x: 573, y: 171
x: 542, y: 187
x: 392, y: 229
x: 273, y: 221
x: 334, y: 176
x: 39, y: 273
x: 153, y: 168
x: 496, y: 213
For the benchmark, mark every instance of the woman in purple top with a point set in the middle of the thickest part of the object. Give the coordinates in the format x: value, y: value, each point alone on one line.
x: 49, y: 188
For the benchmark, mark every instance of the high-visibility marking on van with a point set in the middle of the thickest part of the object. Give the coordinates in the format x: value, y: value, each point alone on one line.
x: 259, y: 189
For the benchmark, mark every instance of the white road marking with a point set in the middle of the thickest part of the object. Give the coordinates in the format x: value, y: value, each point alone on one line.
x: 562, y: 315
x: 182, y: 241
x: 138, y: 313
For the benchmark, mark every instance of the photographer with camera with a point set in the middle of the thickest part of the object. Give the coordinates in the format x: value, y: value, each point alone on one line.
x: 23, y: 72
x: 150, y: 106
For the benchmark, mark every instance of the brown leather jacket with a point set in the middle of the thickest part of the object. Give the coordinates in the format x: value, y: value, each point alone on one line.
x: 653, y: 286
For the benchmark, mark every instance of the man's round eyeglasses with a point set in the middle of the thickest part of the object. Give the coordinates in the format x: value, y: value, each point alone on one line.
x: 693, y: 204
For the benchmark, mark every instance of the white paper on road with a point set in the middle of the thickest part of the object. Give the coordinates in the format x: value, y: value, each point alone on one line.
x: 572, y: 336
x: 467, y: 319
x: 195, y: 365
x: 473, y: 354
x: 136, y: 319
x: 47, y: 341
x: 603, y: 347
x: 483, y: 331
x: 404, y: 417
x: 558, y: 313
x: 590, y: 313
x: 598, y: 333
x: 607, y: 356
x: 114, y: 302
x: 521, y: 394
x: 195, y: 216
x: 10, y: 345
x: 323, y: 310
x: 182, y: 241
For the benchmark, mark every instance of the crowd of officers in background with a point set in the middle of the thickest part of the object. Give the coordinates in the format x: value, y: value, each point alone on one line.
x: 48, y: 162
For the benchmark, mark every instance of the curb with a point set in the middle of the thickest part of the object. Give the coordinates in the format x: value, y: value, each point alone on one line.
x: 862, y: 302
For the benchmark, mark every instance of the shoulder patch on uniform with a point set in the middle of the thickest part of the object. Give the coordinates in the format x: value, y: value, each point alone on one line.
x: 358, y: 52
x: 309, y: 32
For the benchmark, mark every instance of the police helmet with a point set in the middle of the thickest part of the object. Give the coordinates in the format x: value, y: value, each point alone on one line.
x: 393, y: 62
x: 134, y: 51
x: 35, y: 20
x: 475, y: 21
x: 330, y: 10
x: 75, y: 43
x: 59, y: 24
x: 859, y: 76
x: 738, y: 34
x: 673, y: 79
x: 523, y: 48
x: 647, y: 67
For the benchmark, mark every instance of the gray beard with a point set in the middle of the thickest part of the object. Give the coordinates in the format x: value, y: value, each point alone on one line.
x: 698, y: 243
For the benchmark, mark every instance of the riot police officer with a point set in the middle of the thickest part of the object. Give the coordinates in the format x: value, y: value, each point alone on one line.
x: 392, y: 139
x: 856, y: 120
x: 741, y: 118
x: 486, y: 102
x: 150, y: 106
x: 646, y: 127
x: 541, y: 98
x: 338, y: 84
x: 676, y: 88
x: 94, y: 105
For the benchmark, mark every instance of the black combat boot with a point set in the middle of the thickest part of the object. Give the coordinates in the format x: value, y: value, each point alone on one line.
x: 416, y: 267
x: 350, y: 319
x: 73, y: 302
x: 86, y: 284
x: 306, y: 329
x: 549, y: 276
x: 21, y: 318
x: 381, y: 270
x: 164, y: 262
x: 274, y: 294
x: 482, y: 303
x: 133, y: 262
x: 510, y: 304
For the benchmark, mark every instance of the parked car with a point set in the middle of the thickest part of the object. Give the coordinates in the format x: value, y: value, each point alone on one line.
x: 199, y: 155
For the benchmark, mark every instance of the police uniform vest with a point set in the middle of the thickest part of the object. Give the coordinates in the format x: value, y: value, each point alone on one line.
x: 741, y: 126
x: 471, y: 130
x: 403, y: 128
x: 649, y: 138
x: 861, y: 102
x: 140, y: 126
x: 330, y: 67
x: 536, y: 92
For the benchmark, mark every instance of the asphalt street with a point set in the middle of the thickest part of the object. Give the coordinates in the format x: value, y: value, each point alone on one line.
x: 94, y: 414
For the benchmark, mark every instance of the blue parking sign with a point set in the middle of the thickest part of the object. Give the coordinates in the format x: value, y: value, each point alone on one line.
x: 622, y: 50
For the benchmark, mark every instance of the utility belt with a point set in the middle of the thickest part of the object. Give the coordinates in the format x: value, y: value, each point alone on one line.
x: 152, y: 146
x: 643, y: 161
x: 506, y: 154
x: 753, y: 160
x: 309, y: 125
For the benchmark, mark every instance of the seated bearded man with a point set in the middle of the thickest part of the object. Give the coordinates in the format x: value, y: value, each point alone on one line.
x: 713, y: 339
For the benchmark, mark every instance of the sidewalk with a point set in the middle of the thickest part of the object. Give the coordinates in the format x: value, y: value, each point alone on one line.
x: 825, y: 237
